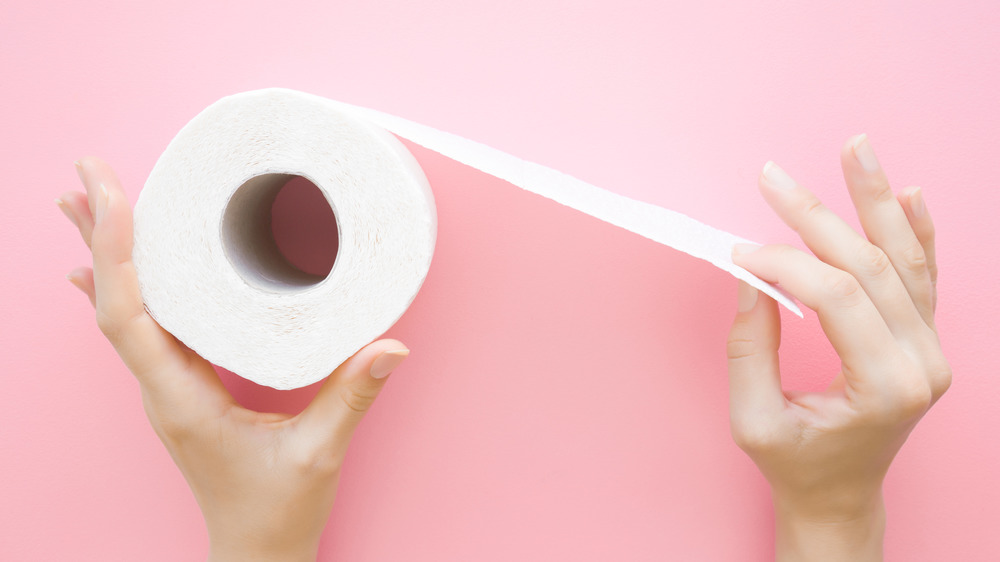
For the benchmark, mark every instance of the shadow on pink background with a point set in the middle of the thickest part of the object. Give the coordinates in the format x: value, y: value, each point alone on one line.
x: 566, y: 397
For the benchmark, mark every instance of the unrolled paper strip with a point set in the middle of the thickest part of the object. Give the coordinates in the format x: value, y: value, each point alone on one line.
x: 211, y: 274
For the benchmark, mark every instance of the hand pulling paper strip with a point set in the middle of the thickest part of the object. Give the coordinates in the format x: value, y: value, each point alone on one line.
x: 211, y: 274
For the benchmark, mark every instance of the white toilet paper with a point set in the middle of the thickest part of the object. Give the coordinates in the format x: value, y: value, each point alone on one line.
x: 210, y: 271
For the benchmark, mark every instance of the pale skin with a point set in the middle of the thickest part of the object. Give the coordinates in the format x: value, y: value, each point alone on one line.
x: 826, y: 454
x: 266, y: 482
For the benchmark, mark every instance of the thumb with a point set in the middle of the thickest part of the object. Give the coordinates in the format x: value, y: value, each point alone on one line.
x: 754, y: 379
x: 349, y: 392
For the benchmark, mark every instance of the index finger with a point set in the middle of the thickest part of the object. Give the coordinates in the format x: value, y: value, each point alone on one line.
x: 848, y: 317
x: 145, y: 347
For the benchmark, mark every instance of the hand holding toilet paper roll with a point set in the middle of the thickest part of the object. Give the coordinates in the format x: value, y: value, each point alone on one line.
x: 211, y: 273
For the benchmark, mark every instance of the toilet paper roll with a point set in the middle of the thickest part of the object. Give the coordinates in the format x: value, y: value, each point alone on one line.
x: 211, y: 274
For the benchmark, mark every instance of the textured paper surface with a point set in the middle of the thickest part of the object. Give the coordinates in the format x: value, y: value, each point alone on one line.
x: 209, y: 277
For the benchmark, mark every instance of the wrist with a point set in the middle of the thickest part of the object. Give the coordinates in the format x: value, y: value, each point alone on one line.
x: 246, y: 549
x: 809, y: 534
x: 275, y: 536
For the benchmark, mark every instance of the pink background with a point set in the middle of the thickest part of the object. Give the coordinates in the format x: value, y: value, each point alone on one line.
x: 566, y: 398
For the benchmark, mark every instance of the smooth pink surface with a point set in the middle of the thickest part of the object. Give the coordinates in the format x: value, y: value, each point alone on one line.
x: 566, y: 397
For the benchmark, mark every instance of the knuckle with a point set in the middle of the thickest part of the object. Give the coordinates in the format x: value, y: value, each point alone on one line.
x: 358, y: 400
x: 316, y: 460
x: 874, y: 414
x: 740, y: 347
x: 753, y: 436
x: 108, y: 326
x: 911, y: 398
x: 176, y: 430
x: 927, y: 233
x: 811, y: 207
x: 783, y: 251
x: 882, y: 193
x: 842, y: 287
x: 873, y: 260
x: 916, y: 398
x: 914, y: 258
x: 171, y: 425
x: 940, y: 378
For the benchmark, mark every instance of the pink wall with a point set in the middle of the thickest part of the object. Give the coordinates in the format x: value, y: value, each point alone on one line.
x: 566, y: 397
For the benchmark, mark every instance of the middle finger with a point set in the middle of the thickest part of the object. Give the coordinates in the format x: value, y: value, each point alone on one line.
x: 885, y: 223
x: 836, y: 243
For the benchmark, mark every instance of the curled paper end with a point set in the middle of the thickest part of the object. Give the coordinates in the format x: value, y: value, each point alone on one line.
x: 209, y: 270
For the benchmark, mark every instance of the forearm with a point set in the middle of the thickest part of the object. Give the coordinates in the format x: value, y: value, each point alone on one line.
x: 804, y: 539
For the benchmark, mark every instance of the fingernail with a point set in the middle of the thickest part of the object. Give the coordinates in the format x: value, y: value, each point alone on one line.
x: 746, y: 297
x: 865, y: 154
x: 740, y: 249
x: 917, y: 205
x: 387, y: 361
x: 74, y: 281
x: 776, y: 177
x: 102, y: 203
x: 79, y: 170
x: 65, y: 209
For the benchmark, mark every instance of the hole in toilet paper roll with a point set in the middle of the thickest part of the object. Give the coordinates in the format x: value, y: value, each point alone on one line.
x: 280, y: 233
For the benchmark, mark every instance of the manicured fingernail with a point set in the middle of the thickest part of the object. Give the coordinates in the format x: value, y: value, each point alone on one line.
x: 746, y: 297
x: 865, y: 154
x: 387, y: 361
x: 75, y: 281
x: 102, y: 203
x: 917, y: 205
x: 776, y: 177
x: 79, y: 170
x: 740, y: 249
x: 65, y: 209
